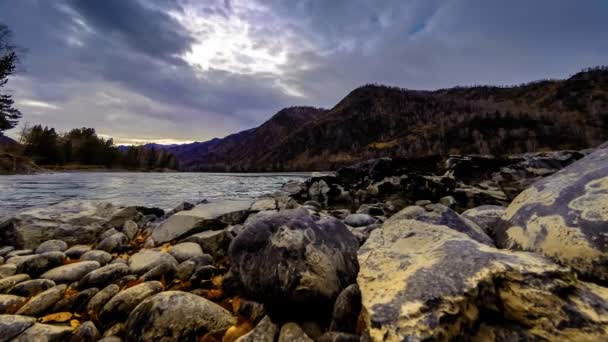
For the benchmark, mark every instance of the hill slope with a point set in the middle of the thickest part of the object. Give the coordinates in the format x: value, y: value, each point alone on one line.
x: 374, y: 121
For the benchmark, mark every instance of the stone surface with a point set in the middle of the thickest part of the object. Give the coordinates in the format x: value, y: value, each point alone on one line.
x: 5, y: 250
x: 129, y: 228
x: 52, y: 246
x: 75, y: 302
x: 40, y: 263
x: 7, y: 270
x: 265, y: 203
x: 12, y: 326
x: 291, y: 332
x: 19, y: 252
x: 45, y: 333
x: 71, y: 221
x: 102, y: 257
x: 265, y: 331
x: 359, y: 220
x: 346, y: 310
x: 71, y: 272
x: 214, y: 242
x: 86, y: 332
x: 9, y: 304
x: 31, y: 288
x: 101, y: 298
x: 186, y: 250
x: 176, y: 316
x: 103, y: 275
x: 487, y: 217
x: 206, y: 216
x: 164, y: 271
x: 565, y: 217
x: 289, y: 260
x: 43, y: 301
x: 421, y: 281
x: 113, y: 243
x: 8, y: 282
x: 142, y: 262
x: 121, y: 305
x: 75, y: 252
x: 334, y: 336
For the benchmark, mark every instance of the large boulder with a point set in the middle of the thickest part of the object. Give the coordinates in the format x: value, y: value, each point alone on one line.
x: 422, y: 281
x: 205, y: 216
x: 73, y: 222
x: 565, y: 217
x: 71, y: 272
x: 142, y: 262
x: 13, y: 325
x: 176, y: 316
x: 120, y: 306
x: 291, y: 262
x: 488, y: 217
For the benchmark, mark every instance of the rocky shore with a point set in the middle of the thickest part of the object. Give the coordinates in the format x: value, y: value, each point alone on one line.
x: 464, y: 248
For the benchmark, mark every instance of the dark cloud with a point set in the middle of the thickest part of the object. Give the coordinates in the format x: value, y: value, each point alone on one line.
x: 192, y: 70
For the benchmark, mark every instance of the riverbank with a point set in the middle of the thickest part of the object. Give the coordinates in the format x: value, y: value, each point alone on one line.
x: 472, y: 248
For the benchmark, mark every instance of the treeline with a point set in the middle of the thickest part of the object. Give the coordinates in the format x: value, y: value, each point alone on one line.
x: 82, y: 146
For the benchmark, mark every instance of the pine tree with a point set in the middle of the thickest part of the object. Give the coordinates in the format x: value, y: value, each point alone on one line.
x: 9, y: 115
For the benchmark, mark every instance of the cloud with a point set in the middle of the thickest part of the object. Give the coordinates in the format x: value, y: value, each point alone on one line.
x: 183, y: 70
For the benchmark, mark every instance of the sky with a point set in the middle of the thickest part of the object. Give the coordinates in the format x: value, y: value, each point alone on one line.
x: 176, y: 71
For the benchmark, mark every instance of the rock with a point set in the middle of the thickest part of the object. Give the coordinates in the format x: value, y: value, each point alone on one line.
x: 293, y: 187
x: 71, y: 272
x: 8, y: 282
x: 421, y: 281
x: 359, y: 220
x: 124, y: 215
x: 103, y: 275
x: 7, y: 270
x: 75, y: 252
x: 121, y: 305
x: 101, y: 298
x: 5, y: 250
x: 487, y: 217
x: 41, y: 263
x: 19, y: 252
x: 206, y: 216
x: 442, y: 215
x: 340, y: 214
x: 185, y: 270
x: 371, y: 209
x: 288, y: 260
x: 346, y: 310
x: 214, y: 242
x: 252, y: 311
x: 111, y: 339
x: 203, y: 273
x: 13, y: 325
x: 43, y: 301
x: 31, y: 288
x: 86, y: 332
x: 45, y: 333
x: 448, y: 201
x: 313, y: 205
x: 75, y: 302
x: 142, y: 262
x: 106, y: 234
x: 181, y: 207
x: 186, y: 250
x: 117, y: 329
x: 114, y: 243
x: 334, y: 336
x: 130, y: 229
x: 565, y: 217
x: 262, y: 204
x: 175, y: 315
x: 52, y: 246
x: 291, y: 332
x: 75, y: 222
x: 165, y: 271
x: 102, y: 257
x: 257, y: 216
x: 265, y: 331
x: 422, y: 203
x: 9, y: 304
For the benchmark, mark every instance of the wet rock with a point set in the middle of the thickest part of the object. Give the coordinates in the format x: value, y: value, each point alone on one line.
x: 124, y: 215
x: 86, y: 332
x: 442, y: 215
x: 103, y: 275
x: 165, y: 271
x: 12, y: 326
x: 346, y: 310
x: 565, y: 217
x: 142, y: 262
x: 19, y: 252
x: 31, y: 288
x: 214, y: 242
x: 45, y: 333
x: 291, y: 332
x: 265, y: 331
x: 421, y: 281
x: 75, y: 302
x: 175, y: 315
x: 102, y: 257
x: 114, y: 243
x: 71, y: 272
x: 75, y: 252
x: 262, y: 204
x: 40, y: 263
x: 43, y: 301
x: 8, y: 282
x: 7, y: 270
x: 119, y: 307
x: 359, y: 220
x: 75, y: 222
x: 203, y: 273
x: 10, y: 303
x: 181, y: 207
x: 5, y: 250
x: 52, y: 246
x: 101, y: 298
x: 186, y: 250
x: 487, y: 217
x: 130, y: 229
x: 206, y: 216
x: 289, y: 260
x: 334, y: 336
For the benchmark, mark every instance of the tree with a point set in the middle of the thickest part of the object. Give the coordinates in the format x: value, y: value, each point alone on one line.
x: 9, y: 115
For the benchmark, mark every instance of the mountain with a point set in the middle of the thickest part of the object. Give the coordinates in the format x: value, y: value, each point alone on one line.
x: 375, y: 121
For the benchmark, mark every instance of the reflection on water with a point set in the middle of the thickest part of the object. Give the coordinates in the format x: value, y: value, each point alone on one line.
x: 163, y: 190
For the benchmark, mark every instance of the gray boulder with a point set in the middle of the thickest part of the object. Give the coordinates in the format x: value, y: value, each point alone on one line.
x: 291, y: 332
x: 101, y: 298
x: 176, y: 316
x: 52, y: 246
x: 45, y: 333
x: 86, y: 332
x: 186, y: 250
x: 75, y: 252
x: 75, y: 302
x: 102, y: 257
x: 114, y: 243
x: 359, y: 220
x: 265, y: 331
x: 8, y: 282
x: 104, y: 275
x: 40, y: 263
x: 165, y: 271
x: 10, y: 303
x: 31, y: 288
x: 129, y: 228
x: 121, y: 305
x: 42, y: 301
x: 71, y: 272
x: 12, y: 326
x: 5, y: 250
x: 7, y: 270
x: 487, y: 217
x: 346, y: 310
x: 142, y: 262
x: 214, y: 242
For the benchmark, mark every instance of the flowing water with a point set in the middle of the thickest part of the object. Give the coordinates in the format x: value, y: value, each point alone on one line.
x: 163, y: 190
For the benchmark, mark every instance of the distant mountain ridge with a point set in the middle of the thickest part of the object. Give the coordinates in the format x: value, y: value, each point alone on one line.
x: 375, y: 121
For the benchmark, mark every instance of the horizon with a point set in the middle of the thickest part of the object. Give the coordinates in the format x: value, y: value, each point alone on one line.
x: 218, y: 68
